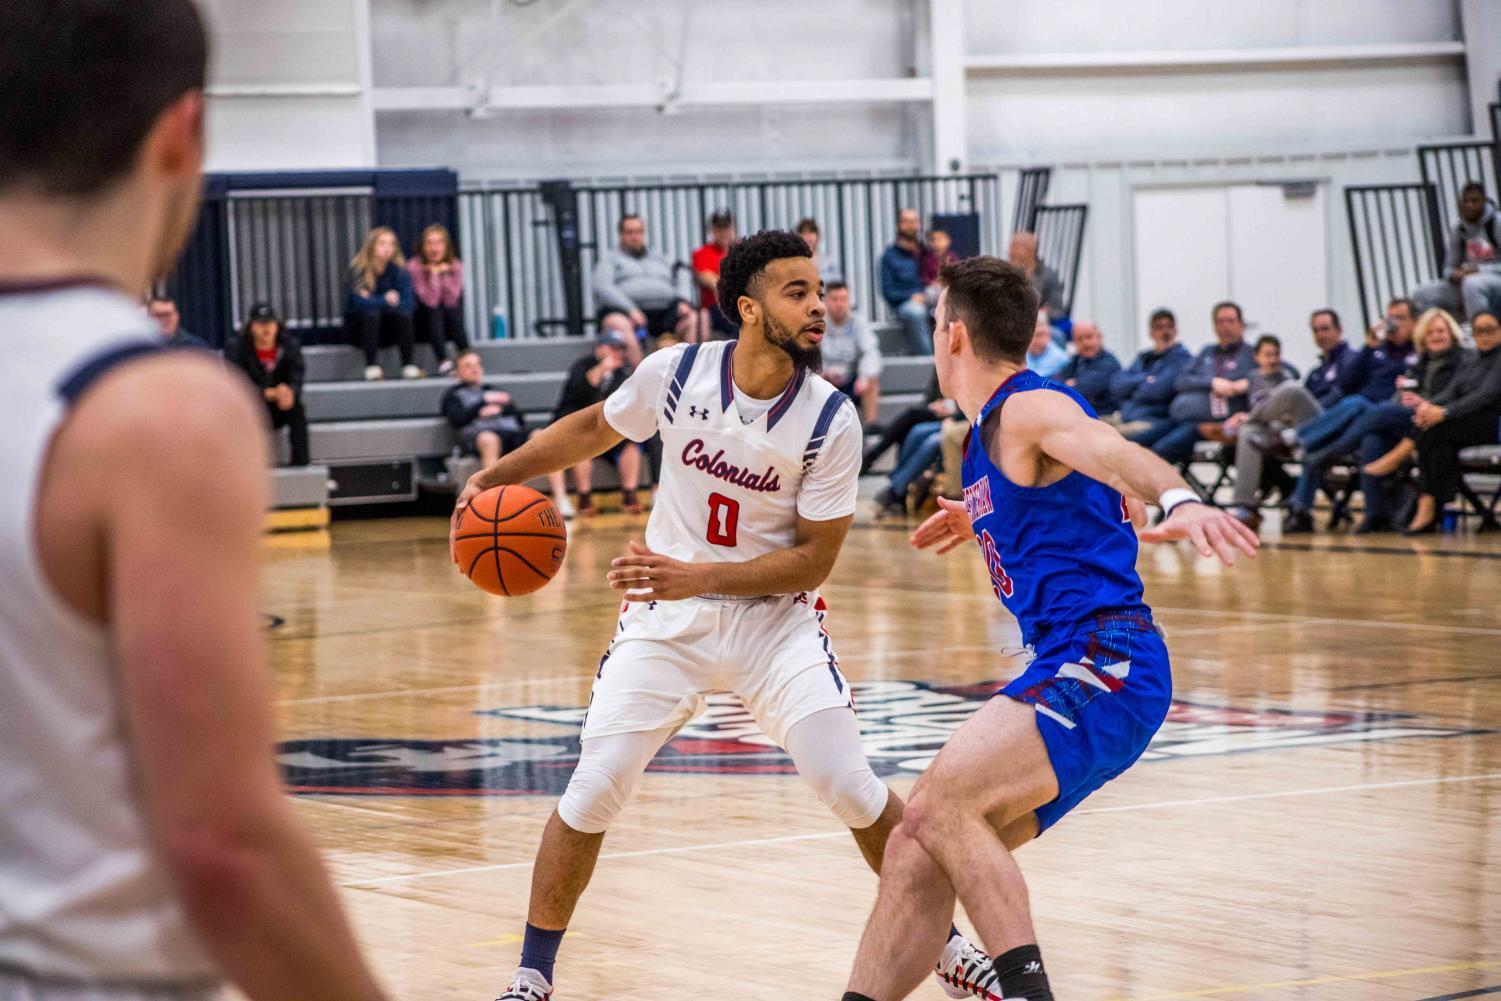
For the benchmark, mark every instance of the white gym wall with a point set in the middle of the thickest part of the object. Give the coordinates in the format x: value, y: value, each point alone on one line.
x: 1117, y: 97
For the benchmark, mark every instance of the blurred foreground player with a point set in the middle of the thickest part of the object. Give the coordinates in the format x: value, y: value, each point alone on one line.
x: 147, y: 852
x: 1049, y: 492
x: 759, y: 479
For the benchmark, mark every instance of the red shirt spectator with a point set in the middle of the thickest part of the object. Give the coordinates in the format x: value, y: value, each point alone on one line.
x: 706, y: 259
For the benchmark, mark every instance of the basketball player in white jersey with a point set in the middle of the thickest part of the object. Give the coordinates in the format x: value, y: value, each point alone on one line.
x: 147, y: 852
x: 759, y: 477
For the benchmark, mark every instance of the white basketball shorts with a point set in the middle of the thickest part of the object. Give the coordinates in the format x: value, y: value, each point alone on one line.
x: 774, y: 653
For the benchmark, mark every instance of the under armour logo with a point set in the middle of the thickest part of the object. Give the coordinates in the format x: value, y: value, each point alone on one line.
x: 701, y: 414
x: 651, y: 606
x: 1032, y: 966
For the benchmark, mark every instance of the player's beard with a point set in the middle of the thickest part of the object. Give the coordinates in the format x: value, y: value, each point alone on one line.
x: 778, y: 336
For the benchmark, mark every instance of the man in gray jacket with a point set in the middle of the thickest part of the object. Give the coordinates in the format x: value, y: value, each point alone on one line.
x: 1472, y: 263
x: 635, y: 292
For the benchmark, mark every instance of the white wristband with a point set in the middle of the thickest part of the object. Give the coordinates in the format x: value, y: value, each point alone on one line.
x: 1177, y: 495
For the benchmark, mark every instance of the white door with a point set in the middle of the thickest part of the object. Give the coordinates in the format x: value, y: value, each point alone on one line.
x: 1248, y: 243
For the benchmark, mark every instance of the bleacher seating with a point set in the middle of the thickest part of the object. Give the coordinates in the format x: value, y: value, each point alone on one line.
x: 386, y: 440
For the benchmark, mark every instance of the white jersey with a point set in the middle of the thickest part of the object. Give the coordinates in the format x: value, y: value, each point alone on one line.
x: 82, y: 895
x: 737, y: 472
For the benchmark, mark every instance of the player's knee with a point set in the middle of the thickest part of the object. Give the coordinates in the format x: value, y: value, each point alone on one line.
x: 922, y: 822
x: 855, y: 795
x: 594, y: 798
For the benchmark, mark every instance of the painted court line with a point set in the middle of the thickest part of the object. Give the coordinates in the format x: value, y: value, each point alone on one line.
x: 397, y: 692
x: 823, y: 835
x: 1466, y: 994
x: 1215, y: 992
x: 585, y: 675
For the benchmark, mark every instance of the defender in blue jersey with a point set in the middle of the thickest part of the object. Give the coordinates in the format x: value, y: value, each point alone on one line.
x: 1053, y: 496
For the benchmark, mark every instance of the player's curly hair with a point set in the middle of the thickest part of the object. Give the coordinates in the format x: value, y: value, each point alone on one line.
x: 747, y: 260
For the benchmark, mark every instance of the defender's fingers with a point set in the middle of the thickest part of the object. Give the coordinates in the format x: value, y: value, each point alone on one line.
x: 1196, y: 536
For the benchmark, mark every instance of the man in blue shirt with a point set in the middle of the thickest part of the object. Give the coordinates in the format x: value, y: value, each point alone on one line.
x: 1050, y: 503
x: 1091, y: 369
x: 1209, y: 390
x: 901, y: 282
x: 1145, y: 391
x: 1290, y: 406
x: 1045, y: 356
x: 1369, y: 378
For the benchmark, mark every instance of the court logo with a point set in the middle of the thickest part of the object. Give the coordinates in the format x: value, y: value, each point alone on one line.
x: 903, y: 724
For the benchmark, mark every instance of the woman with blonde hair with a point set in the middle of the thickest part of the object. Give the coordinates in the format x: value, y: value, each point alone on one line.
x: 1437, y: 337
x: 438, y: 281
x: 1467, y: 412
x: 1375, y: 432
x: 380, y: 302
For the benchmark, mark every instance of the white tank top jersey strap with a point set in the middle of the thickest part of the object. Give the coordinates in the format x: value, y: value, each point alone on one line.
x: 83, y: 899
x: 737, y: 472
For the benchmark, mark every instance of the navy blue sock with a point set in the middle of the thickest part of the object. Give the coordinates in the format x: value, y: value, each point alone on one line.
x: 953, y: 933
x: 539, y: 950
x: 852, y: 996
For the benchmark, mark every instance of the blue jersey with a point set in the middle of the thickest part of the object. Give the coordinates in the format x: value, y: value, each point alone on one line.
x: 1058, y: 555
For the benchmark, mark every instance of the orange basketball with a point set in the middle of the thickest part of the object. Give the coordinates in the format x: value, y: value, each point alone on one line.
x: 510, y: 541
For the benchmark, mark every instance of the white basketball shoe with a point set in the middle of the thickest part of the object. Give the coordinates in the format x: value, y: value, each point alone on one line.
x: 527, y: 985
x: 964, y: 971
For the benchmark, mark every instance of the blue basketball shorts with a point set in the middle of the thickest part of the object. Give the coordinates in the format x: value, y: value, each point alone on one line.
x: 1101, y: 691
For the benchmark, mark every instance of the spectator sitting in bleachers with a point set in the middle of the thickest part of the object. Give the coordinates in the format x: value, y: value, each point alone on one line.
x: 920, y: 452
x: 1145, y: 391
x: 851, y: 353
x: 934, y: 408
x: 1023, y: 253
x: 635, y: 292
x: 1268, y: 427
x: 828, y: 268
x: 1208, y: 390
x: 706, y: 261
x: 592, y: 379
x: 1045, y: 356
x: 1367, y: 381
x: 938, y: 255
x: 488, y: 422
x: 1472, y: 262
x: 1091, y: 369
x: 1389, y: 424
x: 272, y: 359
x: 1256, y: 433
x: 901, y: 282
x: 380, y: 302
x: 1466, y: 413
x: 164, y: 312
x: 438, y: 284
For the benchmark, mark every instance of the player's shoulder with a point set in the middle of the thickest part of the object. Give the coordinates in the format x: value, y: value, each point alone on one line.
x: 670, y: 358
x: 1047, y: 403
x: 171, y: 402
x: 819, y: 395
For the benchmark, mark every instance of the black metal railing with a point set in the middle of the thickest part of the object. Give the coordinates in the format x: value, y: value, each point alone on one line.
x: 292, y: 247
x: 1450, y: 166
x: 1031, y: 189
x: 1397, y: 238
x: 1495, y: 110
x: 1060, y: 244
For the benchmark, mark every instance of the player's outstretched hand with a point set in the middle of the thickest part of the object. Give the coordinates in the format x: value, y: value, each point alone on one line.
x: 946, y: 528
x: 1212, y: 531
x: 472, y: 489
x: 647, y: 576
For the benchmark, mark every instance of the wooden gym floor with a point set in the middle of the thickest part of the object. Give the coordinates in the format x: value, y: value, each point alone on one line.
x: 1320, y: 819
